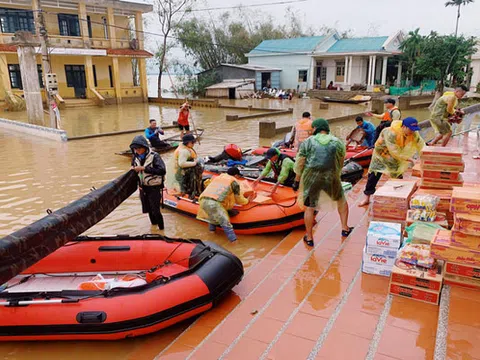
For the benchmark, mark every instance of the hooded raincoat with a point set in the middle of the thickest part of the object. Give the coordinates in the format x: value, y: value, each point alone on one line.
x: 319, y: 162
x: 393, y: 149
x: 444, y: 107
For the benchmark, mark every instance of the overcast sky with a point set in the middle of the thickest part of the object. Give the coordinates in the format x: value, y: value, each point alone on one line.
x: 368, y: 17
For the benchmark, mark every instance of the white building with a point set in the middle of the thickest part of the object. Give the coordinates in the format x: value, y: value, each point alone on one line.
x: 475, y: 65
x: 313, y: 62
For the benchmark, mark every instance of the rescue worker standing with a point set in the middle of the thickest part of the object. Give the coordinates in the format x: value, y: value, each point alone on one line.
x: 183, y: 172
x: 151, y: 171
x: 302, y: 130
x: 218, y: 198
x: 394, y: 150
x: 392, y: 114
x: 318, y: 168
x: 282, y: 167
x: 444, y: 108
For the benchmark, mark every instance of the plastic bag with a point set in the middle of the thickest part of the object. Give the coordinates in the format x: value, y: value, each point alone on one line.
x: 424, y: 202
x: 416, y: 254
x: 423, y: 215
x: 421, y: 232
x: 100, y: 283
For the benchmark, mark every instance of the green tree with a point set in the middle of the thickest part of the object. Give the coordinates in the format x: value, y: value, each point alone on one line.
x: 411, y: 49
x: 458, y: 4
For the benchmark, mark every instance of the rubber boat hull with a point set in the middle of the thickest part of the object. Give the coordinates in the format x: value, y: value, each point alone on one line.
x: 352, y: 153
x: 280, y: 214
x: 189, y: 278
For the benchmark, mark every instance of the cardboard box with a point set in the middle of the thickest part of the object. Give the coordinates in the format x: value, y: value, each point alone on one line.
x: 422, y: 295
x: 381, y: 250
x: 418, y: 277
x: 376, y: 270
x: 445, y: 196
x: 395, y: 192
x: 384, y: 234
x: 466, y: 200
x: 443, y: 166
x: 455, y: 280
x: 465, y: 241
x: 377, y: 264
x: 467, y: 223
x: 417, y: 170
x: 446, y: 175
x: 440, y: 153
x: 468, y: 271
x: 441, y: 183
x: 442, y: 249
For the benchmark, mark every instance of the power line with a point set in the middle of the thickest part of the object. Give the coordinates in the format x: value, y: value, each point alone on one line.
x: 247, y: 6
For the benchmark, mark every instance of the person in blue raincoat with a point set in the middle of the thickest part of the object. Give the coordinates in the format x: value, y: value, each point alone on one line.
x: 369, y: 129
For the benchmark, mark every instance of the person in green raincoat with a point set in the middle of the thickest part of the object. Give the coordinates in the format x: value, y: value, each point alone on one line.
x: 393, y: 152
x: 318, y: 168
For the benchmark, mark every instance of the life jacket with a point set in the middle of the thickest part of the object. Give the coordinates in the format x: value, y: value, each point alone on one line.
x: 219, y: 189
x: 193, y: 154
x: 387, y: 115
x: 145, y: 178
x: 183, y: 117
x: 303, y: 130
x: 233, y: 151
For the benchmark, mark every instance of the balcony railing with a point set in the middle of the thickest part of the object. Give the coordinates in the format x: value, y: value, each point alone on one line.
x: 99, y: 43
x: 65, y: 41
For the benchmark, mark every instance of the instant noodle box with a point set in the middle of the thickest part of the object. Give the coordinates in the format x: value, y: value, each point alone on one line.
x: 466, y: 200
x: 467, y: 271
x: 467, y: 223
x: 442, y: 154
x: 441, y: 183
x: 423, y: 295
x: 455, y: 280
x: 445, y: 175
x: 418, y: 277
x: 443, y: 249
x: 444, y: 166
x: 395, y: 192
x: 465, y: 241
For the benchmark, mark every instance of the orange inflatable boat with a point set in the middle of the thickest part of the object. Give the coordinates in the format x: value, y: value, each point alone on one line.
x: 262, y: 215
x: 107, y: 288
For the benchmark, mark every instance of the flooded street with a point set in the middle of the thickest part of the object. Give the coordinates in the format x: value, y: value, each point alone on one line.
x: 41, y: 174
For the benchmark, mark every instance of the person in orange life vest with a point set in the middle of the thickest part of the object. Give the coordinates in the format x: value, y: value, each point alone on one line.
x: 392, y: 113
x: 302, y: 130
x: 218, y: 198
x: 183, y: 115
x: 230, y: 151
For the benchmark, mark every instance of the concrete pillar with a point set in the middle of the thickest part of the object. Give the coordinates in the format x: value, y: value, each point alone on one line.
x: 350, y: 68
x: 111, y: 30
x: 384, y: 70
x: 4, y: 78
x: 345, y: 78
x: 82, y: 18
x: 399, y: 74
x: 36, y: 14
x: 377, y: 106
x: 142, y: 68
x: 31, y: 88
x: 116, y: 80
x: 311, y: 73
x: 369, y: 77
x: 138, y: 30
x: 267, y: 129
x: 374, y: 69
x: 89, y: 76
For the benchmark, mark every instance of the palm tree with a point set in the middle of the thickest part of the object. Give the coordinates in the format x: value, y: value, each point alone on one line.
x: 458, y: 4
x: 411, y: 48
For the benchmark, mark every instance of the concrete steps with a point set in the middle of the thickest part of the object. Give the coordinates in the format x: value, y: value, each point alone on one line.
x: 78, y: 103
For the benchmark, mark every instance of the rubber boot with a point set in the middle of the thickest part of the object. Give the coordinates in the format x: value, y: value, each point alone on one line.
x: 211, y: 227
x: 161, y: 226
x: 230, y: 233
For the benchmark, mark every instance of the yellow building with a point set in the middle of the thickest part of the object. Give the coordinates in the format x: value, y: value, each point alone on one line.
x: 96, y: 47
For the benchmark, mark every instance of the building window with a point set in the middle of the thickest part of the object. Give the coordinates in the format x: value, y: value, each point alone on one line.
x: 105, y: 27
x: 89, y: 25
x: 68, y: 25
x: 12, y: 20
x: 340, y: 68
x: 16, y: 76
x: 302, y: 75
x: 110, y: 75
x: 94, y: 75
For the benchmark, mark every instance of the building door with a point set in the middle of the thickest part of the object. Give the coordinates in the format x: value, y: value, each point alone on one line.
x: 266, y: 80
x: 321, y: 77
x: 231, y: 93
x: 75, y: 75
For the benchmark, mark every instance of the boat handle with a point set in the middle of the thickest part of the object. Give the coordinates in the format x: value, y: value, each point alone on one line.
x: 114, y: 248
x: 91, y: 317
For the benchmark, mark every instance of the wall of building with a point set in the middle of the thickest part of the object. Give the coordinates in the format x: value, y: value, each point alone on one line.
x: 476, y: 74
x: 290, y: 65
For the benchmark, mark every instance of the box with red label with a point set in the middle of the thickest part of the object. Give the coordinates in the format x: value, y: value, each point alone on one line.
x: 455, y: 280
x: 442, y: 249
x: 466, y: 241
x: 444, y: 166
x: 423, y: 295
x: 415, y: 276
x: 395, y: 192
x: 417, y: 170
x: 441, y: 154
x: 446, y: 175
x: 467, y: 223
x: 377, y: 264
x: 466, y: 200
x: 468, y: 271
x: 441, y: 183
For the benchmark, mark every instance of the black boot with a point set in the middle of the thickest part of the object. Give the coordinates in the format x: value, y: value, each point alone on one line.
x: 161, y: 225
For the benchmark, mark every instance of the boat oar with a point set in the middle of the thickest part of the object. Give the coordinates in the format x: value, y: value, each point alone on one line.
x: 194, y: 128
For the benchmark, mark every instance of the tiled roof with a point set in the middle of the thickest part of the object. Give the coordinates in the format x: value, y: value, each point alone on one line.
x: 358, y: 45
x: 302, y: 44
x: 8, y: 48
x: 129, y: 52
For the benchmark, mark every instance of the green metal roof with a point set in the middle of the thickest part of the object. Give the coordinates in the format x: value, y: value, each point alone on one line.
x: 302, y: 44
x: 358, y: 45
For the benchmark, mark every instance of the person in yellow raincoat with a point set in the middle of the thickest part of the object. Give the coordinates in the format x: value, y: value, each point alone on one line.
x: 394, y: 150
x: 444, y: 108
x: 318, y: 168
x: 220, y: 196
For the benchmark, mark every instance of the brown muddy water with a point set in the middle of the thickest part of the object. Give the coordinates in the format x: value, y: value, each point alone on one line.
x: 39, y: 174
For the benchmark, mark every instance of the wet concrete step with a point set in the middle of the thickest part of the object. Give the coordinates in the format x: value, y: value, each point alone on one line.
x: 78, y: 103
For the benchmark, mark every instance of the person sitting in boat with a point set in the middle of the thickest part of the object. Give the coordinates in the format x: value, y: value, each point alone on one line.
x: 186, y: 169
x: 392, y: 113
x: 153, y: 132
x: 282, y: 167
x: 367, y: 127
x: 151, y: 172
x: 302, y: 130
x: 183, y: 115
x: 218, y: 198
x: 230, y: 152
x: 331, y: 86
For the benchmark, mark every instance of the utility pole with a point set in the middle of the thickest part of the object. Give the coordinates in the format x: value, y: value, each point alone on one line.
x: 43, y: 36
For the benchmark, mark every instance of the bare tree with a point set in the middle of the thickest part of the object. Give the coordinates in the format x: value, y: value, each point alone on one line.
x: 169, y: 13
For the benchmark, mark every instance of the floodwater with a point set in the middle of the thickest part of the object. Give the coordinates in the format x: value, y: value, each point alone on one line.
x: 39, y: 174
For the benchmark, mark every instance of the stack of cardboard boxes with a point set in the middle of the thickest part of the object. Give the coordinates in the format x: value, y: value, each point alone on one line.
x: 460, y: 248
x: 441, y: 167
x: 380, y: 251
